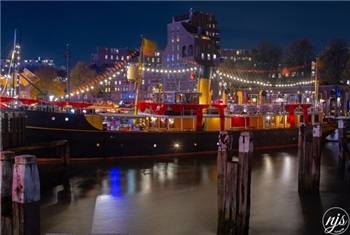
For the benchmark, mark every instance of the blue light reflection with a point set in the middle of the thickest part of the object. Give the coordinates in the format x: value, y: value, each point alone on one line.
x: 115, y: 182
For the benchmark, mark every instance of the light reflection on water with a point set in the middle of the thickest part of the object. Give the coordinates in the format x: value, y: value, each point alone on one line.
x: 178, y: 196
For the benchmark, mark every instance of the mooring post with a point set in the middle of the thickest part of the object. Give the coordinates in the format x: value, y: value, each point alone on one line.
x: 26, y: 195
x: 301, y: 155
x: 316, y: 157
x: 7, y: 159
x: 225, y: 146
x: 234, y: 183
x: 5, y: 131
x: 342, y: 144
x: 244, y: 182
x: 309, y: 155
x: 6, y: 167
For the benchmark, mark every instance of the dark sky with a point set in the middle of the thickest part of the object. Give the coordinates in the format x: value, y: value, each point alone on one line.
x: 48, y: 26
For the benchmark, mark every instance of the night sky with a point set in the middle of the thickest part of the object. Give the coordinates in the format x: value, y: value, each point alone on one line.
x: 48, y: 26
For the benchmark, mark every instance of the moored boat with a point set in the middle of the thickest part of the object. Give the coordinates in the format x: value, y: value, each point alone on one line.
x: 178, y: 122
x: 163, y: 128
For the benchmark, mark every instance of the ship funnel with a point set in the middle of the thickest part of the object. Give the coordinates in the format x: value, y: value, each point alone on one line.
x: 132, y: 73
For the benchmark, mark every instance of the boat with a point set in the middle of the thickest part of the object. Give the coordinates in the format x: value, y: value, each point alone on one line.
x: 182, y: 122
x: 159, y: 128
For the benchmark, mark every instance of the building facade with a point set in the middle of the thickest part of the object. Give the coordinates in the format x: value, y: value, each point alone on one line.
x: 192, y: 40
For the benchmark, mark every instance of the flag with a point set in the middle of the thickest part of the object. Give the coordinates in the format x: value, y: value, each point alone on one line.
x: 148, y: 47
x: 28, y: 76
x: 3, y: 80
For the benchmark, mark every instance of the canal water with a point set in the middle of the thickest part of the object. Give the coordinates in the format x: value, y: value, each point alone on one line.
x: 177, y: 196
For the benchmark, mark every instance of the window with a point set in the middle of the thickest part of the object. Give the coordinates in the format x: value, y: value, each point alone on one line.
x: 190, y: 50
x: 202, y: 56
x: 184, y: 51
x: 106, y: 57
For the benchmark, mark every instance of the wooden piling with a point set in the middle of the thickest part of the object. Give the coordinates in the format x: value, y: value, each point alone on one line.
x: 5, y: 132
x: 234, y: 177
x: 12, y: 129
x: 6, y: 167
x: 316, y: 157
x: 26, y: 183
x: 342, y: 145
x: 244, y: 182
x: 26, y: 196
x: 225, y: 146
x: 309, y: 155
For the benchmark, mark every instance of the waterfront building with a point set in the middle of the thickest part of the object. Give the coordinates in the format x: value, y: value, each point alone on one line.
x: 236, y: 55
x: 191, y: 38
x: 117, y: 87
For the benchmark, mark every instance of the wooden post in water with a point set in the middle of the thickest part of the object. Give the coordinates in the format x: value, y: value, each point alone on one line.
x: 5, y: 132
x: 309, y: 155
x: 224, y: 150
x: 12, y: 129
x: 7, y: 159
x: 316, y: 157
x: 301, y: 155
x: 234, y: 177
x: 6, y: 167
x: 26, y: 195
x: 244, y: 182
x: 342, y: 144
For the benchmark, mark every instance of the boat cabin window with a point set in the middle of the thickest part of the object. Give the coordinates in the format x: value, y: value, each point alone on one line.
x: 175, y: 97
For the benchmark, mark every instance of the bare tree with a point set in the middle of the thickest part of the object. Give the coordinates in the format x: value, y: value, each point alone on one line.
x: 267, y: 56
x: 298, y: 53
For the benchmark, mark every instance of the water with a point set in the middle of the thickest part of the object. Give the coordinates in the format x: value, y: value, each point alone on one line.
x: 178, y: 196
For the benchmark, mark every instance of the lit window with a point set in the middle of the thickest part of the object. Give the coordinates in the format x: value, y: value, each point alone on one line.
x: 111, y: 57
x: 106, y: 57
x: 202, y: 56
x: 208, y: 56
x: 214, y: 56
